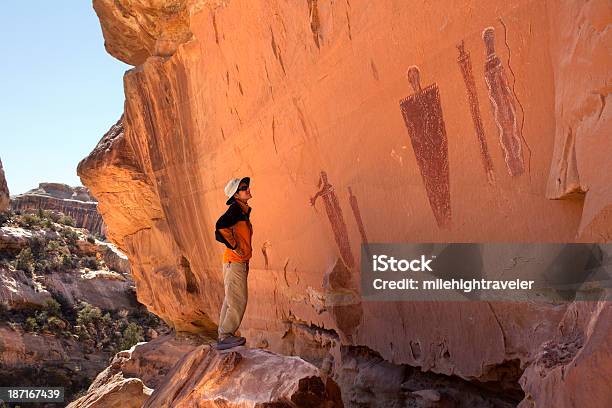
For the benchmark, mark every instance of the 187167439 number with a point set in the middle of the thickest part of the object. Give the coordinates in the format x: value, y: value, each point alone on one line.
x: 32, y: 394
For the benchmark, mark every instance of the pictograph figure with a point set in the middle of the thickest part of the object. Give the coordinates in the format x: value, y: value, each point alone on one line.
x: 465, y: 64
x: 504, y: 109
x: 422, y: 114
x: 334, y: 214
x: 357, y: 215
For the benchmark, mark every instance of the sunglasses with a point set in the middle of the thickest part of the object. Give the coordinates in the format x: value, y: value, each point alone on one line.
x: 243, y: 188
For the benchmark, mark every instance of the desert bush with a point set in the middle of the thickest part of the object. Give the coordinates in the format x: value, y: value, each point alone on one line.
x: 53, y: 245
x: 38, y: 245
x: 70, y: 236
x: 41, y: 213
x: 31, y: 324
x: 91, y: 239
x: 131, y: 335
x: 68, y: 262
x: 42, y: 266
x: 66, y: 220
x: 90, y: 262
x: 48, y: 225
x: 88, y: 314
x: 29, y: 221
x: 52, y: 307
x: 4, y: 218
x: 56, y: 324
x: 54, y: 216
x: 49, y: 265
x: 25, y: 261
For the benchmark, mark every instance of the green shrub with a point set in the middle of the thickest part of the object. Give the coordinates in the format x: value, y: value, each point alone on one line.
x: 68, y: 262
x: 66, y: 220
x: 4, y: 218
x: 132, y: 334
x: 25, y: 260
x: 55, y: 324
x: 43, y: 266
x: 88, y: 314
x: 47, y: 224
x: 29, y: 221
x: 91, y: 239
x: 54, y: 216
x: 70, y: 236
x: 53, y: 245
x: 38, y: 245
x: 30, y: 324
x: 90, y: 262
x: 52, y: 307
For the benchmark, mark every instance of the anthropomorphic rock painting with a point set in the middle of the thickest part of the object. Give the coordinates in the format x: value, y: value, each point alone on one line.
x: 336, y: 219
x: 504, y: 107
x: 465, y: 64
x: 422, y: 114
x: 357, y: 215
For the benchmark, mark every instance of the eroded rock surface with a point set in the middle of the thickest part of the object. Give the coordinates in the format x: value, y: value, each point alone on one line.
x: 132, y: 374
x: 304, y: 97
x: 184, y: 372
x: 243, y: 378
x: 582, y: 110
x: 4, y: 192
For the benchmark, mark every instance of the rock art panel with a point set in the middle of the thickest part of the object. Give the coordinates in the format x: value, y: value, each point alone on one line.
x: 465, y: 64
x: 504, y: 106
x: 422, y: 114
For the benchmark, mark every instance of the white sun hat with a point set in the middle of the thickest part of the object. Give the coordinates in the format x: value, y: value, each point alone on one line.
x: 232, y: 186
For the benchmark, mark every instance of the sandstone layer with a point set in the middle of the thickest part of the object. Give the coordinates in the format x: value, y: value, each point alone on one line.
x: 309, y: 100
x: 75, y: 202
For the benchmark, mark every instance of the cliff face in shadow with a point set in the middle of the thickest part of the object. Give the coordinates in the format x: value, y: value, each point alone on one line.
x: 312, y: 101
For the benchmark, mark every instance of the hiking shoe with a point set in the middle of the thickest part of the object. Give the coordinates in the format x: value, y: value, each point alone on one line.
x: 229, y: 342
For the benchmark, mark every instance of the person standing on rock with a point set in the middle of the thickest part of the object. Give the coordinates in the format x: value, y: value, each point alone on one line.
x: 234, y: 229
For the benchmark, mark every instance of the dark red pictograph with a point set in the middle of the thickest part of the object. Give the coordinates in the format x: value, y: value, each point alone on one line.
x: 465, y: 64
x: 334, y: 214
x: 357, y: 215
x: 422, y: 114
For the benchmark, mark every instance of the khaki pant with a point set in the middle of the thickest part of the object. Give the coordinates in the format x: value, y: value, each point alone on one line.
x: 236, y: 296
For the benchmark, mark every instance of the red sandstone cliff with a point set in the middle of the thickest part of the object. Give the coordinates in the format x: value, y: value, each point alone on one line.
x: 304, y: 97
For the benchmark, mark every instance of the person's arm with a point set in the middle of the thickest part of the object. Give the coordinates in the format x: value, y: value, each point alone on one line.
x: 224, y: 232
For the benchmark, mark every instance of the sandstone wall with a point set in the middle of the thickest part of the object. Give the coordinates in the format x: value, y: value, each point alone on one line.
x: 305, y: 97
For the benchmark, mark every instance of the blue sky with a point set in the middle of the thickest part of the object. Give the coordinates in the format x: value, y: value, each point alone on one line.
x: 60, y: 90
